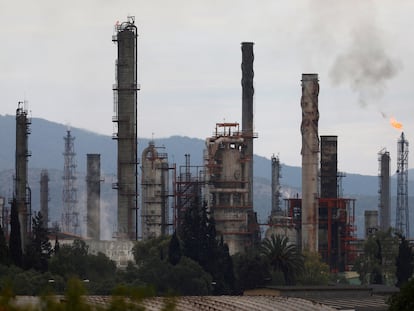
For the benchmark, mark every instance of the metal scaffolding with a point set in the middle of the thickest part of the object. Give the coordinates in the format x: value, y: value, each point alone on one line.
x: 70, y: 215
x: 402, y: 224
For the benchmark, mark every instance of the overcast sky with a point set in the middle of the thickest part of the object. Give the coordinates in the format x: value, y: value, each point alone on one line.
x: 58, y: 55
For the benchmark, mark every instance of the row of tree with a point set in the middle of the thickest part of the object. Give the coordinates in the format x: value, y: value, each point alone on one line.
x: 387, y: 258
x: 193, y: 261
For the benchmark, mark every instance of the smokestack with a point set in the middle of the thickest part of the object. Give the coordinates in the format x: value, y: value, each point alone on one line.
x: 384, y: 190
x: 275, y: 186
x: 329, y: 167
x: 22, y: 191
x: 93, y: 190
x: 247, y: 110
x: 44, y: 197
x: 310, y: 149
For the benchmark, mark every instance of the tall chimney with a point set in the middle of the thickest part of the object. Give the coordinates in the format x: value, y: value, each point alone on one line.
x: 310, y: 149
x: 329, y: 167
x: 93, y: 189
x: 44, y: 197
x: 22, y: 192
x: 247, y: 110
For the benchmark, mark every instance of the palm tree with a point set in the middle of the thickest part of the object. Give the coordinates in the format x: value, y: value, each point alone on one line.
x: 283, y: 257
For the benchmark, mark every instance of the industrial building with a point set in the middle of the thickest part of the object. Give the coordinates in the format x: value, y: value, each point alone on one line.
x: 227, y: 183
x: 229, y: 169
x: 22, y: 192
x: 154, y: 192
x: 125, y: 128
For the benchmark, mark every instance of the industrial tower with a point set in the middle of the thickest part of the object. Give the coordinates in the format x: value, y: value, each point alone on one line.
x: 70, y: 215
x: 402, y: 224
x: 155, y: 193
x: 22, y: 192
x: 275, y: 186
x: 125, y: 128
x: 229, y: 169
x: 384, y: 204
x: 310, y: 155
x: 93, y: 196
x: 44, y: 197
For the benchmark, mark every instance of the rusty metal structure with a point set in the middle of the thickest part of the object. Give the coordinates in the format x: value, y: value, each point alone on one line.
x: 384, y: 190
x: 44, y: 197
x: 188, y: 187
x: 22, y: 192
x: 279, y: 222
x: 336, y: 229
x: 229, y: 169
x: 402, y: 223
x: 334, y: 225
x: 310, y: 155
x: 154, y: 192
x: 125, y: 128
x: 70, y: 215
x: 93, y: 196
x: 227, y: 180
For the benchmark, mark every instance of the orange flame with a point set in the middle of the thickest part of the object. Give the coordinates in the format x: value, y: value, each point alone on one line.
x: 396, y: 124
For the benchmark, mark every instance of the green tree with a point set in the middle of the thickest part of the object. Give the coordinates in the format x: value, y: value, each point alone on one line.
x: 198, y: 234
x: 39, y: 248
x: 315, y: 271
x: 283, y: 257
x: 174, y: 250
x: 404, y: 299
x: 152, y: 248
x: 185, y: 278
x: 15, y: 240
x: 377, y: 263
x: 404, y: 262
x: 251, y: 270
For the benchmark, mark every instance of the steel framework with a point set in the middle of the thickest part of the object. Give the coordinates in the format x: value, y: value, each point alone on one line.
x: 402, y: 215
x: 70, y: 215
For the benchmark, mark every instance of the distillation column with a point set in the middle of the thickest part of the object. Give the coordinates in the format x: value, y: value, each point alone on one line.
x: 402, y: 224
x: 93, y: 192
x: 44, y: 197
x: 310, y: 150
x: 155, y: 192
x: 22, y: 192
x: 125, y: 120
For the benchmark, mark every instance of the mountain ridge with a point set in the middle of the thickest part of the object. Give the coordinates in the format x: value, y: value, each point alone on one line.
x: 46, y: 144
